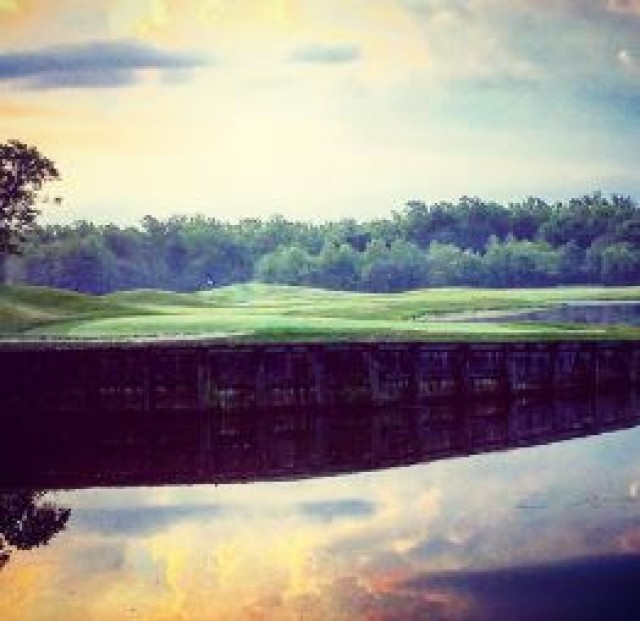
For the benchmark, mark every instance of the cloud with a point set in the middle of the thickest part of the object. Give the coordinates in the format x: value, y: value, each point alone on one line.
x: 431, y: 7
x: 96, y: 558
x: 467, y: 40
x: 82, y: 79
x: 138, y: 520
x: 437, y: 547
x: 624, y: 6
x: 585, y: 588
x: 544, y: 43
x: 333, y: 509
x: 91, y: 65
x: 326, y: 54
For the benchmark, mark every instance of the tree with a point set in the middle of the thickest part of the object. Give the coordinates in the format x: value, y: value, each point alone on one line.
x: 397, y: 267
x: 449, y: 265
x: 86, y: 264
x: 23, y: 172
x: 614, y: 264
x: 584, y: 220
x: 514, y: 263
x: 26, y: 521
x: 469, y: 242
x: 477, y: 221
x: 336, y: 267
x: 571, y: 264
x: 527, y: 217
x: 289, y: 265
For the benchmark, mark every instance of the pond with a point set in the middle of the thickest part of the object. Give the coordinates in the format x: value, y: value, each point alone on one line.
x: 520, y: 510
x: 605, y: 313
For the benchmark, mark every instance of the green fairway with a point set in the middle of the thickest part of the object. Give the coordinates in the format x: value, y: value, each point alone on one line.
x: 254, y: 311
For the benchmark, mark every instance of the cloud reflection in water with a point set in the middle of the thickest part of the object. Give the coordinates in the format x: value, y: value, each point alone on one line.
x: 543, y: 532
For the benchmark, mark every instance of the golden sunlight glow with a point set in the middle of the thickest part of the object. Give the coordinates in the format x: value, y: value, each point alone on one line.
x: 227, y: 563
x: 296, y: 555
x: 203, y: 22
x: 21, y: 110
x: 242, y: 13
x: 9, y: 5
x: 169, y: 552
x: 20, y: 583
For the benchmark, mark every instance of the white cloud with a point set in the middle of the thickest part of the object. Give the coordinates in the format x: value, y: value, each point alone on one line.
x: 631, y: 7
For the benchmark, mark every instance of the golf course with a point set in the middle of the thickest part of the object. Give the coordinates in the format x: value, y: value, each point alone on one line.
x: 252, y: 312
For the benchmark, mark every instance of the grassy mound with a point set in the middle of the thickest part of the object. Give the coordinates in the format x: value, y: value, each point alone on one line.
x: 26, y: 307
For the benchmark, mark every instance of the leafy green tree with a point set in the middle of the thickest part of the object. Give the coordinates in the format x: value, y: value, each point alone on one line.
x: 23, y: 172
x: 527, y: 217
x: 134, y: 258
x: 448, y: 265
x: 614, y: 264
x: 583, y: 220
x: 337, y: 267
x: 629, y: 231
x: 82, y: 264
x: 516, y: 263
x: 290, y: 265
x: 468, y: 242
x: 421, y: 223
x: 571, y: 264
x: 94, y: 265
x: 477, y: 221
x: 397, y: 267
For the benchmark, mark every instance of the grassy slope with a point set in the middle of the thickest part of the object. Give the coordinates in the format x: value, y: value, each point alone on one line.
x: 27, y: 307
x: 256, y: 311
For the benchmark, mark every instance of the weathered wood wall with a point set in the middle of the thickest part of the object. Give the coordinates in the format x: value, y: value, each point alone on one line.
x: 94, y: 377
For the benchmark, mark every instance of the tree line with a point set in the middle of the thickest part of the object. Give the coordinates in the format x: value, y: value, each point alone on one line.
x: 592, y: 239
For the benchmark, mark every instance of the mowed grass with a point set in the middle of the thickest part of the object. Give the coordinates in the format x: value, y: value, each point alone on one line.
x: 254, y: 311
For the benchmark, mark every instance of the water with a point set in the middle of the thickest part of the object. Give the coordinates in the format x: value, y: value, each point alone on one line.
x: 606, y: 313
x: 414, y: 526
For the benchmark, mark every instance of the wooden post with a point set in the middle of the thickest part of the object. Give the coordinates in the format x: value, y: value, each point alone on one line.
x: 319, y: 376
x: 373, y: 369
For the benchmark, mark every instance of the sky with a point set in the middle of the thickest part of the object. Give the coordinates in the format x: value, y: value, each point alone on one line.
x: 320, y: 109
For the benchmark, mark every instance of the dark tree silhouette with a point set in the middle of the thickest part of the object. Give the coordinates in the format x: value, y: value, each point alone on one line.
x: 26, y: 522
x: 23, y: 172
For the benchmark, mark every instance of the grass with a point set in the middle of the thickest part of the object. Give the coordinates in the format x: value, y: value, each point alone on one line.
x: 254, y: 311
x: 26, y: 307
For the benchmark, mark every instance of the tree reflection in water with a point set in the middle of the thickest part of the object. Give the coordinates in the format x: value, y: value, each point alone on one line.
x: 26, y: 521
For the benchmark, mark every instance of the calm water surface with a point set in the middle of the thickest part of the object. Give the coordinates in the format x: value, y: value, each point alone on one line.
x: 606, y: 313
x: 546, y: 532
